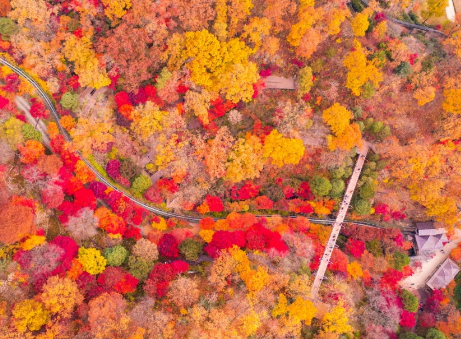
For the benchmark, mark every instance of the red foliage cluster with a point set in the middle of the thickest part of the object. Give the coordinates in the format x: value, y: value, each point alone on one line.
x: 153, y: 194
x: 11, y: 83
x: 168, y: 246
x: 161, y: 275
x: 262, y: 203
x: 223, y: 240
x: 118, y: 279
x: 387, y: 214
x: 407, y: 319
x: 214, y: 203
x: 257, y: 237
x: 304, y: 191
x: 219, y: 108
x: 168, y: 185
x: 247, y: 191
x: 391, y: 278
x: 38, y: 110
x: 338, y: 261
x: 124, y: 207
x: 355, y: 247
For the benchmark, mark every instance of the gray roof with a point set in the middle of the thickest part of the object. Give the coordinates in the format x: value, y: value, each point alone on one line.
x: 430, y: 242
x: 444, y: 275
x: 424, y: 225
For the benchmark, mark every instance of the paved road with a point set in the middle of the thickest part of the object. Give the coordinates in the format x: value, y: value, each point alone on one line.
x: 338, y: 222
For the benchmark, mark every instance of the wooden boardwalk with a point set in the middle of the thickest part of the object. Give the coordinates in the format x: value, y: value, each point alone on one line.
x: 336, y: 227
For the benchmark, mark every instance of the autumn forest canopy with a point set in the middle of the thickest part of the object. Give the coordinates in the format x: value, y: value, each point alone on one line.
x: 247, y: 116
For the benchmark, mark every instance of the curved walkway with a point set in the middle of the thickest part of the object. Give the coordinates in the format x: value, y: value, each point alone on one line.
x: 49, y: 104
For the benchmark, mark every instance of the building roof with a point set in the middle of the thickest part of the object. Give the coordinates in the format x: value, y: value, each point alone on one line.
x: 425, y: 225
x: 444, y: 275
x: 430, y: 242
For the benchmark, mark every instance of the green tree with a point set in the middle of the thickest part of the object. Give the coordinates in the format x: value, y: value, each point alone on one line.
x: 191, y: 249
x: 141, y: 183
x: 337, y: 173
x: 8, y: 28
x: 337, y: 188
x: 362, y: 207
x: 403, y: 69
x: 30, y: 133
x: 376, y: 127
x: 69, y: 100
x: 320, y: 186
x: 410, y: 302
x: 116, y: 255
x: 374, y: 247
x: 367, y: 191
x: 435, y: 334
x: 399, y: 260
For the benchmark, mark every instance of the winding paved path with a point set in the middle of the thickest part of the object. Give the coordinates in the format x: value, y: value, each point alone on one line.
x: 49, y: 104
x: 338, y: 222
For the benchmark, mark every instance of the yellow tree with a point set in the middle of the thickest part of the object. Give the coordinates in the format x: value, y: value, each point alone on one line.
x: 148, y: 119
x: 360, y: 24
x: 334, y: 19
x: 337, y: 320
x: 360, y: 70
x: 87, y: 66
x: 337, y: 117
x: 282, y: 150
x: 245, y: 160
x: 115, y: 9
x: 452, y: 101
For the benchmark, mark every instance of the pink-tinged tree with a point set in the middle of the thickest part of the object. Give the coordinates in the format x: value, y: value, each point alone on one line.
x: 355, y: 247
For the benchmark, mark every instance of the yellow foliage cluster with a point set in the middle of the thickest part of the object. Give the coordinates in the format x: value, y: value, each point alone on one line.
x: 299, y: 310
x: 250, y: 324
x: 360, y: 70
x: 245, y: 160
x: 33, y: 241
x: 148, y: 119
x: 160, y: 225
x: 345, y: 135
x: 355, y: 270
x: 61, y: 295
x: 87, y: 65
x: 115, y: 9
x: 221, y: 66
x: 165, y: 150
x: 282, y: 150
x: 337, y: 320
x: 199, y: 103
x: 30, y: 315
x: 220, y: 23
x: 380, y: 30
x: 255, y: 30
x: 11, y: 131
x: 360, y: 24
x: 307, y: 16
x: 34, y: 10
x: 337, y: 117
x: 452, y: 102
x: 99, y: 133
x: 206, y: 235
x: 337, y: 16
x: 91, y: 259
x: 424, y: 95
x: 255, y: 280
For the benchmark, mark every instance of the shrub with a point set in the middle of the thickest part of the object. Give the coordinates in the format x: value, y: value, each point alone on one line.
x: 435, y: 334
x: 337, y: 173
x: 409, y: 335
x: 320, y: 186
x: 376, y: 127
x: 305, y: 82
x: 357, y: 5
x: 116, y: 255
